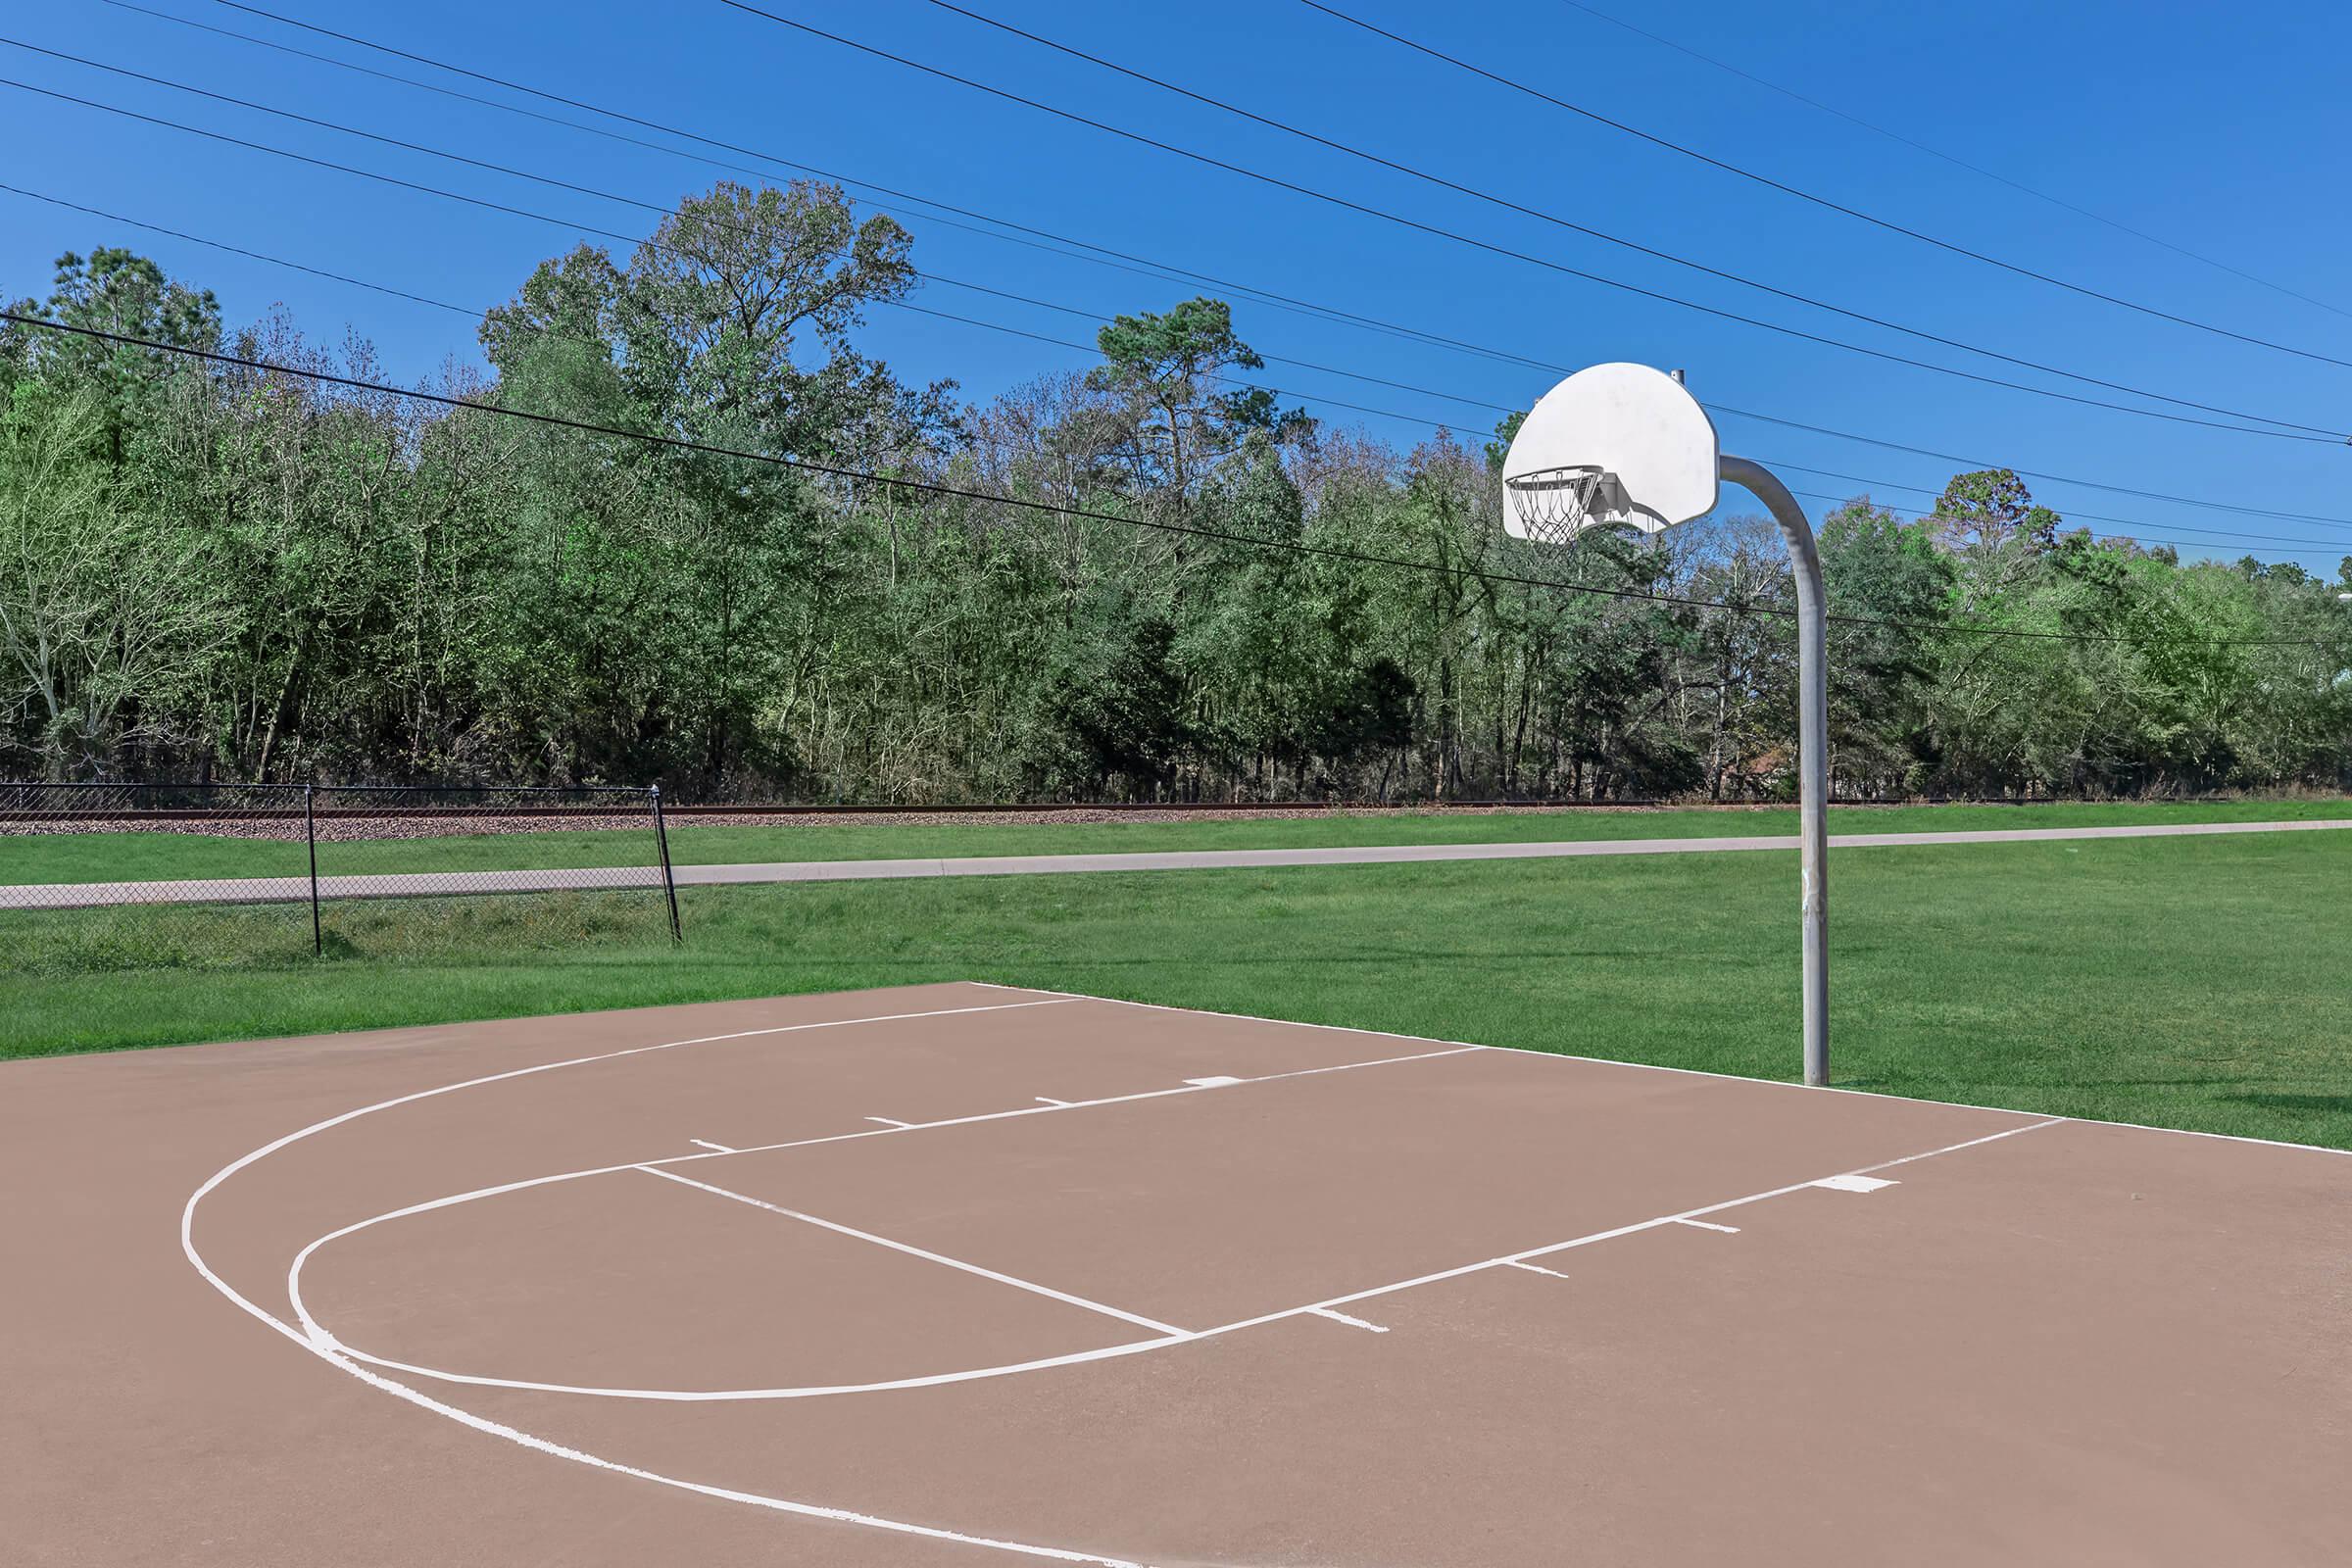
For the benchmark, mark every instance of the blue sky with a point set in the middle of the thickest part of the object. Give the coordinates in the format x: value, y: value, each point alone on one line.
x: 2215, y: 129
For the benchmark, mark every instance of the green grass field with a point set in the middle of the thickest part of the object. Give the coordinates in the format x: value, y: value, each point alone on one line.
x: 130, y: 857
x: 2196, y: 983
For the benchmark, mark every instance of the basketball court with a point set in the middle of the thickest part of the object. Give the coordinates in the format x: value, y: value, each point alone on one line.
x: 961, y: 1274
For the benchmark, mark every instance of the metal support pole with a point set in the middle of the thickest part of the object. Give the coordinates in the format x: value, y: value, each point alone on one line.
x: 310, y: 832
x: 669, y: 880
x: 1812, y: 749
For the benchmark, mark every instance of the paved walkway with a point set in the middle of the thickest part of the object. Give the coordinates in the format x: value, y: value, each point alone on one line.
x: 292, y: 889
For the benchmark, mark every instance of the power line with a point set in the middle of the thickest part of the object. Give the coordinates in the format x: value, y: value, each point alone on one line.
x: 2135, y: 527
x: 933, y: 487
x: 569, y: 227
x: 1783, y: 187
x: 2322, y: 434
x: 1957, y: 163
x: 2288, y: 433
x: 2132, y: 525
x: 1278, y: 301
x: 2031, y: 473
x: 1096, y: 253
x: 1103, y: 256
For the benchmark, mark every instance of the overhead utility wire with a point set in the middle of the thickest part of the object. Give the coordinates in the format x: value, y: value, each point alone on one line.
x: 1957, y: 163
x: 2136, y: 528
x: 2288, y: 433
x: 898, y: 305
x: 1279, y: 301
x: 1165, y: 273
x: 2033, y: 473
x: 2322, y: 434
x: 1044, y: 240
x: 1099, y: 254
x: 1783, y: 187
x: 569, y: 225
x: 932, y: 487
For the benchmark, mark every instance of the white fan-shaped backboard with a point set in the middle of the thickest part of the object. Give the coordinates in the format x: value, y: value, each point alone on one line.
x: 1639, y: 427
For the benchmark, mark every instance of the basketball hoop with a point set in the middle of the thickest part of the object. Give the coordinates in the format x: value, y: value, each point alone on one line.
x: 1552, y: 505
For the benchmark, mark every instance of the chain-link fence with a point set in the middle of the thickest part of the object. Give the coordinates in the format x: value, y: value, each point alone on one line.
x: 109, y: 876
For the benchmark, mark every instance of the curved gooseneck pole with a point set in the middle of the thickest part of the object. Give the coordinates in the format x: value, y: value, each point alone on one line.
x: 1813, y: 748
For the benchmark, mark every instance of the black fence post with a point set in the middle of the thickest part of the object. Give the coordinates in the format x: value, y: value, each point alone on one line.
x: 310, y: 832
x: 669, y: 880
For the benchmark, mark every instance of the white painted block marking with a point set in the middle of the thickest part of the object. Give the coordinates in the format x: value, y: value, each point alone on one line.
x: 1854, y: 1184
x: 1351, y: 1322
x: 1058, y: 1104
x: 887, y: 1122
x: 715, y: 1148
x: 1705, y: 1225
x: 1211, y: 1082
x: 1537, y: 1268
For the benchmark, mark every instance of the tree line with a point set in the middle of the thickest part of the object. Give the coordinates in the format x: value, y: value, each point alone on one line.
x: 210, y: 571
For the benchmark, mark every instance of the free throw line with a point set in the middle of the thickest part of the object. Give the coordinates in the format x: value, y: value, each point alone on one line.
x: 1017, y: 1284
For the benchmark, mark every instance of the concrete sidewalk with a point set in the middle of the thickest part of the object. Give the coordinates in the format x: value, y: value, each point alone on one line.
x: 285, y: 889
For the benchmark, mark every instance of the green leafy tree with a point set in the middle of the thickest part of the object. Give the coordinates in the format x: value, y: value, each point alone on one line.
x: 104, y: 621
x: 1879, y: 569
x: 119, y: 291
x: 1991, y: 510
x: 1163, y: 372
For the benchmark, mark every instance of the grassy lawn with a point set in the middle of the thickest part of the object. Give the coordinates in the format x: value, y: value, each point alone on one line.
x: 129, y: 857
x: 2195, y: 983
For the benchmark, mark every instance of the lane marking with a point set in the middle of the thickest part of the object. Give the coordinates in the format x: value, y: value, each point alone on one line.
x: 531, y: 1441
x: 1017, y: 1284
x: 1342, y: 1317
x: 312, y: 1330
x: 999, y: 1115
x: 1213, y: 1083
x: 717, y: 1148
x: 1652, y: 1066
x: 1728, y: 1230
x: 895, y: 1126
x: 1072, y: 1358
x: 1057, y: 1105
x: 1854, y: 1184
x: 1537, y: 1268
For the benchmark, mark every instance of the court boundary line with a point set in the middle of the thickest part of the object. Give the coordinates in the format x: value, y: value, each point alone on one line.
x: 317, y: 1332
x: 1656, y: 1066
x: 531, y: 1441
x: 1175, y: 1336
x: 1140, y: 1347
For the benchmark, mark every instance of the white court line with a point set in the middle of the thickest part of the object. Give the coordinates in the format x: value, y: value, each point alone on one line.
x: 715, y: 1148
x: 1042, y: 1110
x: 1057, y: 1105
x: 1342, y: 1317
x: 317, y: 1334
x: 1537, y: 1268
x: 1652, y: 1066
x: 1323, y: 1308
x: 1030, y: 1286
x: 311, y: 1341
x: 1611, y: 1234
x: 895, y: 1126
x: 1728, y: 1230
x: 1854, y: 1184
x: 530, y: 1441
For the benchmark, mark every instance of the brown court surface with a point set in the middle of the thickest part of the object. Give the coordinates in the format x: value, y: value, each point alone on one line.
x: 960, y: 1275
